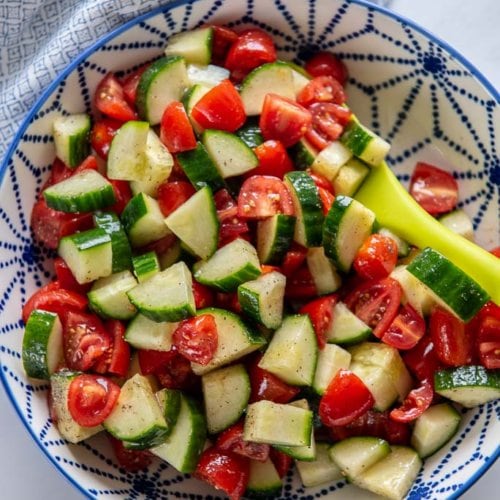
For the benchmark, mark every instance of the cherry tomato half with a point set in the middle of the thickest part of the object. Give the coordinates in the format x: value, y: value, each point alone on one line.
x: 406, y: 329
x: 322, y: 89
x: 417, y: 401
x: 102, y: 134
x: 273, y: 160
x: 131, y: 82
x: 130, y: 460
x: 223, y: 38
x: 422, y: 360
x: 110, y: 100
x: 232, y: 440
x: 176, y: 131
x: 171, y: 195
x: 321, y: 313
x: 328, y: 122
x: 325, y: 63
x: 376, y: 257
x: 488, y: 336
x: 231, y: 225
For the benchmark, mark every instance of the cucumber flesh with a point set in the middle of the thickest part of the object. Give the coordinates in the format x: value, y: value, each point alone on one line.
x: 346, y: 327
x: 71, y: 138
x: 195, y: 46
x: 320, y: 471
x: 263, y: 479
x: 144, y: 333
x: 331, y: 359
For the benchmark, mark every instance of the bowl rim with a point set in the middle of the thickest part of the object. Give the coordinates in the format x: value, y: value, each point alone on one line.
x: 126, y: 26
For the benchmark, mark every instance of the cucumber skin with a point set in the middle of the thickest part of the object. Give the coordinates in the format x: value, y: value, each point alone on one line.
x: 355, y: 138
x: 459, y: 291
x: 250, y: 133
x: 466, y: 376
x: 282, y: 241
x: 331, y: 228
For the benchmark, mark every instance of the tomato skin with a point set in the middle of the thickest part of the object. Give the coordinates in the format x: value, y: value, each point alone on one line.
x: 228, y: 301
x: 434, y: 189
x: 119, y: 360
x: 67, y: 281
x: 495, y: 252
x: 130, y: 460
x: 232, y: 440
x: 322, y: 89
x: 377, y: 257
x: 422, y: 360
x: 123, y: 195
x: 91, y: 399
x: 263, y: 196
x: 231, y: 226
x: 345, y: 399
x: 52, y: 297
x: 327, y: 124
x: 488, y: 336
x: 300, y: 285
x: 223, y: 38
x: 252, y: 48
x: 196, y: 338
x: 220, y: 108
x: 203, y: 295
x: 453, y: 345
x: 325, y: 63
x: 376, y: 302
x: 283, y: 120
x: 416, y: 402
x: 320, y: 312
x: 273, y: 160
x: 109, y: 99
x: 171, y: 195
x: 321, y: 181
x: 293, y: 259
x: 102, y: 134
x: 267, y: 386
x: 406, y: 329
x: 281, y: 461
x: 327, y: 199
x: 176, y: 131
x: 131, y: 83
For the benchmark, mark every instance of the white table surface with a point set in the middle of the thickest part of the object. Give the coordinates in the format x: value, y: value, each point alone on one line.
x: 472, y: 28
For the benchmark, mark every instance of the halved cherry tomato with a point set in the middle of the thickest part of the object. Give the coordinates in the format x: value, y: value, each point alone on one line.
x: 495, y: 252
x: 281, y: 461
x: 267, y: 386
x: 131, y: 83
x: 406, y: 329
x: 228, y: 301
x: 273, y: 160
x: 223, y: 38
x: 488, y: 336
x: 50, y: 225
x: 119, y: 360
x: 203, y: 295
x: 300, y: 285
x: 220, y: 108
x: 196, y: 338
x: 321, y: 181
x: 87, y: 343
x: 376, y: 302
x: 66, y: 279
x: 327, y: 199
x: 130, y: 460
x: 328, y: 122
x: 52, y: 297
x: 232, y: 440
x: 263, y: 196
x: 252, y: 48
x: 422, y: 360
x: 325, y: 63
x: 171, y: 195
x: 231, y: 226
x: 123, y: 195
x: 417, y: 401
x: 322, y: 89
x: 224, y: 470
x: 345, y: 399
x: 110, y: 100
x: 376, y: 257
x: 102, y: 134
x: 434, y: 189
x: 374, y: 423
x: 293, y: 259
x: 176, y: 131
x: 321, y: 313
x: 283, y: 120
x: 452, y: 343
x: 91, y: 399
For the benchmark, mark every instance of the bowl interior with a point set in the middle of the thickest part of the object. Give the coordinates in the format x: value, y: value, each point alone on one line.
x: 406, y: 85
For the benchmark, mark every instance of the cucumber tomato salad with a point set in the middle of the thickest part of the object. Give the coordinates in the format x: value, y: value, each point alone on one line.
x: 223, y: 302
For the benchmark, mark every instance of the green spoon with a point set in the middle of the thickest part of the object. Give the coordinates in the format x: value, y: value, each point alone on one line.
x: 397, y: 210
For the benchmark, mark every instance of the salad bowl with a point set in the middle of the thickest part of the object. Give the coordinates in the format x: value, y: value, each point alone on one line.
x: 405, y: 84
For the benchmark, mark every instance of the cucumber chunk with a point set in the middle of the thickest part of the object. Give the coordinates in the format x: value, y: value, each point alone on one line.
x: 324, y: 274
x: 71, y: 138
x: 468, y: 385
x: 459, y: 222
x: 303, y: 154
x: 434, y: 428
x: 274, y: 237
x: 263, y: 480
x: 145, y: 266
x: 320, y: 471
x: 330, y: 159
x: 144, y: 333
x: 350, y: 177
x: 195, y: 46
x: 226, y: 392
x: 169, y: 401
x: 331, y: 359
x: 208, y: 75
x: 250, y: 133
x: 403, y: 246
x: 42, y: 344
x: 346, y: 328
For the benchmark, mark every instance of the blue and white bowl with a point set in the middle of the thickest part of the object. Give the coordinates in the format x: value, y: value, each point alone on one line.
x: 408, y: 86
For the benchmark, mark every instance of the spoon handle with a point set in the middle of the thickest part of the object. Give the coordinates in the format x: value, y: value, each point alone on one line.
x: 397, y: 210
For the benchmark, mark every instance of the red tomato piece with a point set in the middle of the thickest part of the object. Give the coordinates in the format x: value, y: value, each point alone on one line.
x: 321, y: 313
x: 434, y: 189
x: 52, y: 297
x: 293, y: 259
x: 281, y: 461
x: 325, y: 63
x: 488, y: 336
x: 345, y: 399
x: 102, y: 134
x: 495, y: 252
x: 119, y: 360
x: 267, y: 386
x: 328, y: 122
x: 263, y: 196
x: 327, y: 199
x: 110, y: 100
x: 171, y: 195
x: 228, y: 301
x: 91, y: 399
x: 224, y: 470
x: 321, y: 181
x: 58, y: 172
x: 300, y: 285
x: 232, y: 440
x: 283, y: 120
x: 377, y: 257
x: 130, y: 460
x: 223, y: 38
x: 203, y: 295
x: 376, y: 302
x: 50, y: 225
x: 417, y: 401
x: 196, y: 338
x: 176, y: 131
x: 273, y: 160
x: 453, y: 346
x: 123, y: 195
x: 231, y: 226
x: 86, y: 341
x: 322, y: 89
x: 131, y: 83
x: 220, y: 108
x: 66, y: 279
x: 406, y: 329
x: 252, y: 48
x: 422, y: 360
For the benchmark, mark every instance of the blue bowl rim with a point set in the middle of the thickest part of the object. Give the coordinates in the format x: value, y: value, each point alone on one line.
x: 143, y: 17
